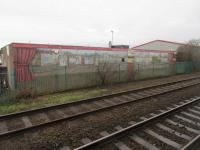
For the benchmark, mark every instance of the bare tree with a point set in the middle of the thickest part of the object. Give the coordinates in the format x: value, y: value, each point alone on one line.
x: 106, y: 72
x: 189, y: 52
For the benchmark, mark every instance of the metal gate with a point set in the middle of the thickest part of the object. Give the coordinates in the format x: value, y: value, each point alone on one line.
x: 3, y: 79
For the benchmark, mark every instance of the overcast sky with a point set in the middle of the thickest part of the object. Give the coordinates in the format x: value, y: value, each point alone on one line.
x: 88, y: 22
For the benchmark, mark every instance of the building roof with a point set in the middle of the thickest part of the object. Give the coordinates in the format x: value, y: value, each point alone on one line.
x: 152, y: 51
x: 48, y: 46
x: 158, y: 41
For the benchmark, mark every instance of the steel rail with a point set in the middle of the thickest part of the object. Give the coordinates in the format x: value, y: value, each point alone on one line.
x: 132, y: 128
x: 193, y: 145
x: 82, y: 101
x: 55, y: 121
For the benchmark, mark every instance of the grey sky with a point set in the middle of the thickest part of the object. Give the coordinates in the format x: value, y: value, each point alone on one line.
x: 88, y: 22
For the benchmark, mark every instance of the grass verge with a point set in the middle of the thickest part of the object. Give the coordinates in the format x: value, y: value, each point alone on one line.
x: 69, y: 96
x: 47, y: 100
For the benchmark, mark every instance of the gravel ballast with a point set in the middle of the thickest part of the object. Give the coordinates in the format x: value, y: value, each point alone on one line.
x: 71, y: 132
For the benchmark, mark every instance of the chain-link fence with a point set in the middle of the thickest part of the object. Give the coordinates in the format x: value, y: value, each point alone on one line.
x: 4, y: 88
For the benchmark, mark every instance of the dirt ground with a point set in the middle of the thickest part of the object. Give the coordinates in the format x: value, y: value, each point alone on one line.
x: 71, y: 132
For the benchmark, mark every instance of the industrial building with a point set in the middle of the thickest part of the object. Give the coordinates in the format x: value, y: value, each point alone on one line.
x: 159, y: 45
x: 157, y: 51
x: 44, y: 68
x: 50, y: 68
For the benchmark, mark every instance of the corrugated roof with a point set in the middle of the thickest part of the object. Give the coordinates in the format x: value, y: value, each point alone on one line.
x: 158, y: 41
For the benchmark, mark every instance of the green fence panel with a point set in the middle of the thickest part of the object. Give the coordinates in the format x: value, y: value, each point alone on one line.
x: 184, y: 67
x: 61, y: 79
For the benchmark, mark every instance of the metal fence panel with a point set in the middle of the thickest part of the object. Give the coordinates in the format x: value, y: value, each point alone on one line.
x: 52, y: 79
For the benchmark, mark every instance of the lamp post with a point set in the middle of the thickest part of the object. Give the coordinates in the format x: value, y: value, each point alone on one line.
x: 112, y: 36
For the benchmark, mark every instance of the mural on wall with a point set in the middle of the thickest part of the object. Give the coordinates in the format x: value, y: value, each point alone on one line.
x: 62, y: 60
x: 64, y: 57
x: 148, y: 57
x: 88, y: 60
x: 48, y: 59
x: 22, y: 59
x: 73, y: 59
x: 54, y: 61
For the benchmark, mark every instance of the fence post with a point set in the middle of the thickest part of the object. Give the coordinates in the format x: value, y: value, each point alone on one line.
x: 153, y: 69
x: 119, y: 72
x: 1, y: 84
x: 138, y: 66
x: 65, y: 77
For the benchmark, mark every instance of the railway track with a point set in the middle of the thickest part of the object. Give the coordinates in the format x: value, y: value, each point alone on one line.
x: 174, y: 128
x: 14, y: 123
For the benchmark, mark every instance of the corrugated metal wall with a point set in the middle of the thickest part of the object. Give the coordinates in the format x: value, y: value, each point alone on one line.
x: 159, y: 45
x: 56, y: 70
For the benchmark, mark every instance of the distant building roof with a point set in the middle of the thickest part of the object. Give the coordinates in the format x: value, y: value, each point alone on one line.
x: 159, y: 45
x: 158, y: 41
